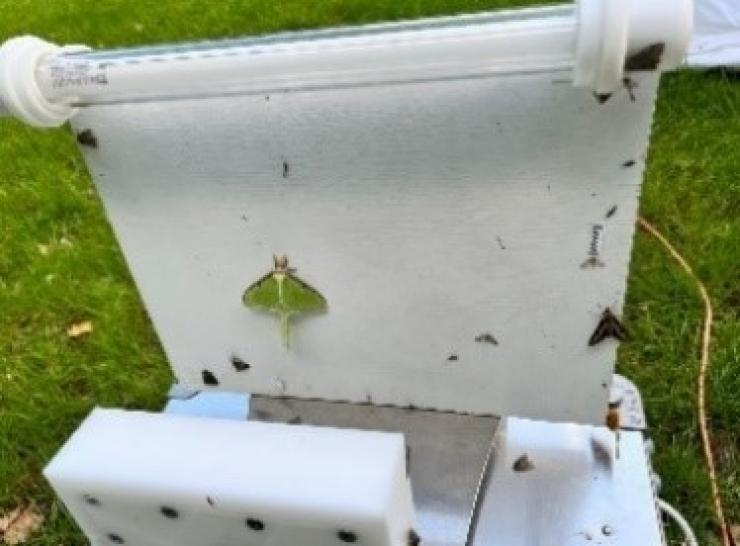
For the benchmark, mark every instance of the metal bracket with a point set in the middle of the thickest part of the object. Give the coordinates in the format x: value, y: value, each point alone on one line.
x: 447, y: 454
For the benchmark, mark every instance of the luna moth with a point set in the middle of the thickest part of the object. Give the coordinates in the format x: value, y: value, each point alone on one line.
x: 282, y: 293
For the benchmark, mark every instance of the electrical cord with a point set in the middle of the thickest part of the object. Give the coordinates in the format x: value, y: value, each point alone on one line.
x: 676, y: 516
x: 706, y: 339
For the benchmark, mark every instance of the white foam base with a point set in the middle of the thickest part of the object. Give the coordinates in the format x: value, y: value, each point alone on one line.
x: 146, y: 479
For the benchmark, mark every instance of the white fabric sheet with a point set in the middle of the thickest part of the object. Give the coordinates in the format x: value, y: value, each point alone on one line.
x: 716, y: 40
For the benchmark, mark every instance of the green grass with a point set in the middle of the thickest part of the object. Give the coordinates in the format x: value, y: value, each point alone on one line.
x: 49, y: 382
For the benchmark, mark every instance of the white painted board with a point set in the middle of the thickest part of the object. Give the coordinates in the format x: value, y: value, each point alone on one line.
x: 427, y: 214
x: 145, y: 479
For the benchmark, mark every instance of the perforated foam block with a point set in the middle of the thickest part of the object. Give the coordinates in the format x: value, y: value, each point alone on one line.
x: 147, y: 479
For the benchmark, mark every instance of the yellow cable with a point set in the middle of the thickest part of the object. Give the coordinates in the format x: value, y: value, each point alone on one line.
x: 706, y: 339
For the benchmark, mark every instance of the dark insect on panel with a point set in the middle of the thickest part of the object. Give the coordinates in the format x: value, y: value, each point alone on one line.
x: 601, y: 98
x: 210, y: 502
x: 116, y: 539
x: 592, y: 262
x: 486, y: 338
x: 453, y: 358
x: 286, y: 169
x: 602, y: 454
x: 239, y: 364
x: 255, y: 524
x: 87, y: 138
x: 92, y: 501
x: 347, y: 536
x: 209, y: 378
x: 647, y: 58
x: 628, y: 163
x: 169, y: 512
x: 630, y: 85
x: 609, y: 326
x: 523, y: 464
x: 612, y: 211
x: 413, y: 538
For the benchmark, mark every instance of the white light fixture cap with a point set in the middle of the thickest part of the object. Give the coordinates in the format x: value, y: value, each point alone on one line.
x: 19, y: 91
x: 611, y: 32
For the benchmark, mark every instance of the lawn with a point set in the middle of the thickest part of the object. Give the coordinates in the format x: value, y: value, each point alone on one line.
x: 60, y: 264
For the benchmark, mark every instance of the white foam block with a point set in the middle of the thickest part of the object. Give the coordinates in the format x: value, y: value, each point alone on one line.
x: 145, y: 479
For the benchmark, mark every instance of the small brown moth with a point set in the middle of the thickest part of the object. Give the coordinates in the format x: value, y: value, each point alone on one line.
x: 613, y: 423
x: 486, y: 338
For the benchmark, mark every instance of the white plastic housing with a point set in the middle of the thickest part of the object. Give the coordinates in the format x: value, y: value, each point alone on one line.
x: 144, y: 479
x: 610, y: 31
x: 578, y: 487
x: 19, y: 88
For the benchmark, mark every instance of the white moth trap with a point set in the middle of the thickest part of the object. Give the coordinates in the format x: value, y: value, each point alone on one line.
x: 393, y: 238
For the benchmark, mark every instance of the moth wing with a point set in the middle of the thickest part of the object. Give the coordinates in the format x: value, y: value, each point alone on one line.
x: 619, y: 331
x: 600, y: 334
x: 263, y: 294
x: 300, y: 297
x: 609, y: 326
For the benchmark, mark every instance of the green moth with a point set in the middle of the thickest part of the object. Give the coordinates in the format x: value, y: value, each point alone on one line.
x: 282, y: 293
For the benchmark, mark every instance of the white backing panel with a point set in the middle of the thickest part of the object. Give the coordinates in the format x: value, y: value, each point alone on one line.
x: 427, y: 214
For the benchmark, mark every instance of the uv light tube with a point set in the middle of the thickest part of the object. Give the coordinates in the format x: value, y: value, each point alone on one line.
x: 43, y: 83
